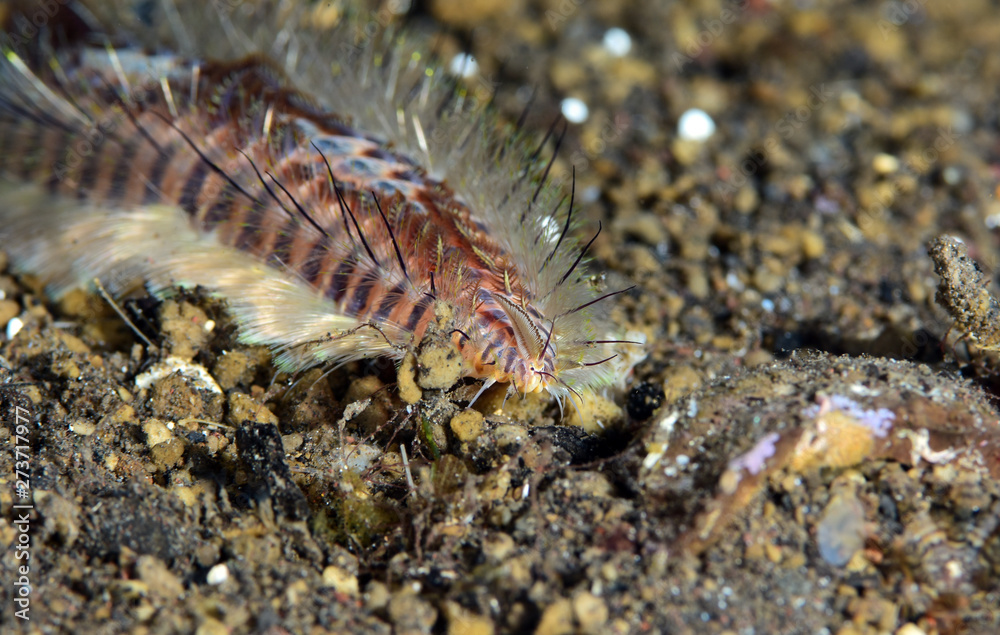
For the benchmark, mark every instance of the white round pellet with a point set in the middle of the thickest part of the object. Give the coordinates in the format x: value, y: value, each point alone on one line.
x: 217, y: 574
x: 463, y: 65
x: 617, y: 42
x: 13, y: 327
x: 695, y: 125
x: 574, y: 110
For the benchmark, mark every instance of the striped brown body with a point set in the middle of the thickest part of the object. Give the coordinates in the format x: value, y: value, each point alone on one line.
x: 142, y: 154
x: 263, y: 169
x: 272, y: 174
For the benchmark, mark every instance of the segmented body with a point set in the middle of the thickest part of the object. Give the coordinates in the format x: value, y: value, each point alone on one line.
x: 264, y: 170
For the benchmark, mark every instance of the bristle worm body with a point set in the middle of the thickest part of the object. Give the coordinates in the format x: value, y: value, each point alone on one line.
x: 330, y: 240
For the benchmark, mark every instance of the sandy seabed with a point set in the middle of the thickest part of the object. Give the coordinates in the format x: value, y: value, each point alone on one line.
x: 800, y: 451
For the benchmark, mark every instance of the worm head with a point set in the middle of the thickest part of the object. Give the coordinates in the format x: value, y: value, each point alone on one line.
x: 529, y: 361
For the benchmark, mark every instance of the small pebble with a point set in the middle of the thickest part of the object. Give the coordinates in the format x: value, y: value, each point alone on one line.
x: 695, y: 125
x: 198, y: 374
x: 212, y: 626
x: 885, y: 163
x: 841, y: 531
x: 83, y: 427
x: 467, y: 426
x: 376, y: 596
x: 591, y: 612
x: 9, y: 310
x: 462, y: 621
x: 574, y: 110
x: 557, y: 619
x: 14, y: 327
x: 217, y: 574
x: 951, y: 175
x: 244, y: 408
x: 157, y: 432
x: 617, y: 42
x: 162, y: 582
x: 463, y: 65
x: 341, y: 580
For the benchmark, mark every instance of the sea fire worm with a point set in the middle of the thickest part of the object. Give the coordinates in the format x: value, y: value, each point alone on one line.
x: 332, y: 220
